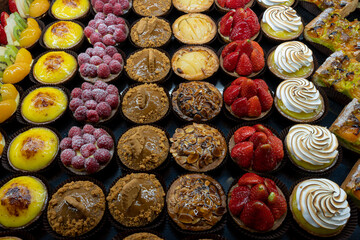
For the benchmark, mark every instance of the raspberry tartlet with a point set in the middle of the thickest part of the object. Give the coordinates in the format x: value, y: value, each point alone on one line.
x: 227, y: 5
x: 116, y: 7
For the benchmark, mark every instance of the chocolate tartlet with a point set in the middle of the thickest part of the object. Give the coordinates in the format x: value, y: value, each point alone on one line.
x: 151, y: 7
x: 143, y: 148
x: 145, y: 103
x: 197, y: 101
x: 76, y: 208
x: 196, y: 202
x: 150, y: 32
x: 136, y: 199
x: 198, y: 147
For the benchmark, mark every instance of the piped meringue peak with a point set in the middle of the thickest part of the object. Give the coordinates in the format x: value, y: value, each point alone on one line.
x: 282, y: 18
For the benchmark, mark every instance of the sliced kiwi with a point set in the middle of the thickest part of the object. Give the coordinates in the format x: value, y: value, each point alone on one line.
x: 3, y: 64
x: 20, y: 21
x: 10, y: 54
x: 17, y: 32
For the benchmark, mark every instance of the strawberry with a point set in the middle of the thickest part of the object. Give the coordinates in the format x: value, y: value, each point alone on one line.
x: 257, y: 60
x: 239, y: 15
x: 229, y: 49
x: 258, y: 138
x: 231, y: 93
x: 243, y: 133
x: 266, y: 99
x: 3, y: 39
x: 257, y: 215
x: 240, y: 107
x: 221, y: 2
x: 240, y: 31
x: 262, y: 128
x: 277, y: 205
x: 259, y: 192
x: 250, y: 179
x: 261, y: 84
x: 226, y: 23
x: 239, y: 81
x: 12, y: 6
x: 230, y: 61
x: 3, y: 17
x: 243, y: 153
x: 233, y: 4
x: 248, y: 89
x: 254, y: 107
x: 244, y: 66
x: 245, y: 46
x: 263, y: 160
x: 239, y: 197
x: 257, y: 46
x: 253, y: 21
x: 270, y: 184
x: 277, y: 148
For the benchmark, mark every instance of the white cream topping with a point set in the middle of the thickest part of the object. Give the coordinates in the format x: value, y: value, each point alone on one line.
x: 299, y: 95
x: 273, y: 2
x: 315, y: 145
x: 282, y: 18
x: 291, y: 56
x: 322, y: 203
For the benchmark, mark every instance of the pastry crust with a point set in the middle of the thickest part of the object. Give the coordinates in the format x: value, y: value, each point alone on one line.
x: 189, y: 6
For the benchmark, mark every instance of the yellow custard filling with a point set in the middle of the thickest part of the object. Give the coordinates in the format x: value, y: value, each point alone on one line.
x: 285, y: 35
x: 63, y: 34
x: 303, y: 71
x: 70, y: 9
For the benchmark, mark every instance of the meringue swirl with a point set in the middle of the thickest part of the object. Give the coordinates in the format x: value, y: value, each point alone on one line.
x: 315, y: 145
x: 273, y: 2
x: 322, y: 203
x: 282, y: 18
x: 291, y: 56
x: 299, y: 95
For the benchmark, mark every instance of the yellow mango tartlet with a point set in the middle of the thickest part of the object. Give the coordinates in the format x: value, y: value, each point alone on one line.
x: 22, y: 201
x: 70, y: 9
x: 63, y: 35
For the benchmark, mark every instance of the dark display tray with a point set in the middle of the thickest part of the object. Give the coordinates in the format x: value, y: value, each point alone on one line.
x: 228, y: 173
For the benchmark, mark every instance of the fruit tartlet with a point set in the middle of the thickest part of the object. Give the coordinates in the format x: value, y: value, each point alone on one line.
x: 142, y: 236
x: 319, y: 207
x: 76, y: 208
x: 196, y: 202
x: 143, y: 148
x: 147, y: 8
x: 136, y: 200
x: 94, y: 103
x: 190, y: 6
x: 23, y: 200
x: 256, y: 148
x: 270, y: 3
x: 227, y: 5
x: 86, y: 150
x: 64, y: 35
x: 70, y: 9
x: 55, y: 67
x: 14, y: 64
x: 34, y: 9
x: 33, y: 149
x: 239, y: 24
x: 198, y: 147
x: 281, y: 23
x: 351, y: 184
x: 292, y: 59
x: 194, y: 28
x: 257, y: 204
x: 247, y: 99
x: 242, y: 58
x: 298, y: 100
x: 2, y: 142
x: 108, y: 29
x: 117, y: 7
x: 9, y: 101
x: 101, y: 62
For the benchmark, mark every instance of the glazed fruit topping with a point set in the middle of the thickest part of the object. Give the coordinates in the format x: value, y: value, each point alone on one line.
x: 233, y: 4
x: 117, y: 7
x: 8, y: 104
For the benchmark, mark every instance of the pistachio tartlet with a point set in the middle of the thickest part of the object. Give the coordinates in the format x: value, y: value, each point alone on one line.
x: 63, y: 35
x: 70, y: 9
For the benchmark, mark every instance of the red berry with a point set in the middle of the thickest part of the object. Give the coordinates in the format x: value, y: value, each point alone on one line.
x: 226, y: 23
x: 77, y: 142
x: 120, y: 20
x: 248, y: 89
x: 105, y: 141
x: 118, y: 10
x: 89, y: 138
x: 75, y: 103
x: 221, y: 2
x: 250, y: 179
x: 87, y: 150
x: 277, y: 205
x: 124, y: 3
x: 101, y: 85
x: 262, y: 128
x: 92, y: 23
x: 243, y: 134
x: 270, y: 185
x: 253, y: 21
x: 112, y: 100
x: 91, y: 104
x: 88, y: 31
x: 99, y: 51
x: 92, y: 116
x: 263, y: 159
x: 87, y: 86
x: 108, y: 8
x: 96, y: 60
x: 91, y: 165
x: 80, y: 113
x: 258, y: 60
x: 115, y: 67
x: 233, y: 4
x: 95, y: 37
x: 258, y: 138
x: 257, y: 215
x: 257, y: 46
x: 107, y: 59
x: 118, y: 57
x: 102, y: 29
x: 66, y: 156
x: 242, y: 153
x: 65, y: 143
x: 78, y: 162
x: 254, y: 107
x: 245, y: 46
x: 99, y: 132
x: 265, y: 98
x: 261, y: 84
x: 89, y: 51
x: 88, y: 129
x: 86, y: 95
x: 99, y: 5
x: 240, y: 107
x: 99, y: 95
x: 241, y: 31
x: 109, y: 39
x: 231, y: 47
x: 100, y: 44
x: 102, y: 155
x: 74, y: 131
x: 231, y: 93
x: 119, y: 35
x: 239, y: 81
x: 83, y: 58
x: 239, y: 197
x: 259, y: 192
x: 103, y: 109
x: 111, y: 50
x: 277, y: 148
x: 230, y: 61
x: 100, y: 15
x: 103, y: 71
x: 239, y: 15
x: 244, y: 66
x: 112, y: 89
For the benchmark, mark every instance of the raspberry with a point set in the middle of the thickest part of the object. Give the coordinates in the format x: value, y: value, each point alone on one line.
x: 91, y: 165
x: 111, y: 29
x: 122, y: 27
x: 89, y: 51
x: 66, y: 156
x: 92, y: 116
x: 112, y: 2
x: 103, y: 71
x: 103, y: 109
x: 102, y: 155
x: 103, y: 29
x: 112, y: 100
x: 100, y: 15
x: 99, y: 132
x: 100, y: 44
x: 115, y: 67
x: 99, y: 95
x: 83, y: 69
x: 65, y: 143
x: 76, y: 93
x: 118, y: 57
x: 87, y: 86
x: 83, y: 58
x: 78, y: 162
x: 107, y: 8
x: 98, y: 22
x: 95, y: 37
x: 75, y: 103
x: 93, y: 2
x: 111, y: 50
x: 91, y: 104
x: 118, y: 10
x: 87, y: 150
x: 80, y: 113
x: 74, y: 131
x: 109, y: 39
x: 107, y: 59
x: 119, y: 35
x: 88, y: 31
x: 88, y: 129
x: 100, y: 85
x: 86, y: 95
x: 112, y: 17
x: 99, y: 6
x: 92, y: 23
x: 96, y: 60
x: 88, y: 138
x: 90, y: 70
x: 124, y: 3
x: 106, y: 142
x: 77, y: 142
x: 109, y: 20
x: 99, y: 51
x: 111, y: 89
x: 120, y: 20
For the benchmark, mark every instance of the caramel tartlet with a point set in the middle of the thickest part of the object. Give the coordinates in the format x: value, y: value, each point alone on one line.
x: 151, y: 7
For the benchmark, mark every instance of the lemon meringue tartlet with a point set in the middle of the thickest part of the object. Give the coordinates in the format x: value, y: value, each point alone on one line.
x: 270, y: 3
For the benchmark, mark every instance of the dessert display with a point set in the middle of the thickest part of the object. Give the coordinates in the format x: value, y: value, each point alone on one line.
x: 239, y: 24
x: 25, y: 8
x: 311, y: 148
x: 190, y: 6
x: 292, y: 59
x: 150, y: 32
x: 196, y: 202
x: 319, y: 207
x: 351, y: 184
x: 87, y: 150
x: 136, y: 200
x: 55, y: 67
x: 196, y: 101
x: 248, y: 99
x: 117, y: 7
x: 226, y: 5
x: 242, y: 58
x: 256, y: 148
x: 257, y: 204
x: 195, y: 62
x: 76, y: 208
x: 70, y: 9
x: 143, y: 148
x: 63, y: 35
x: 298, y: 100
x: 102, y: 62
x: 148, y: 65
x: 108, y: 29
x: 94, y: 103
x: 281, y: 23
x: 344, y: 8
x: 142, y: 236
x: 22, y: 200
x: 194, y: 28
x: 43, y: 105
x: 149, y: 8
x: 145, y: 103
x: 33, y: 149
x: 198, y: 147
x: 9, y: 101
x: 270, y: 3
